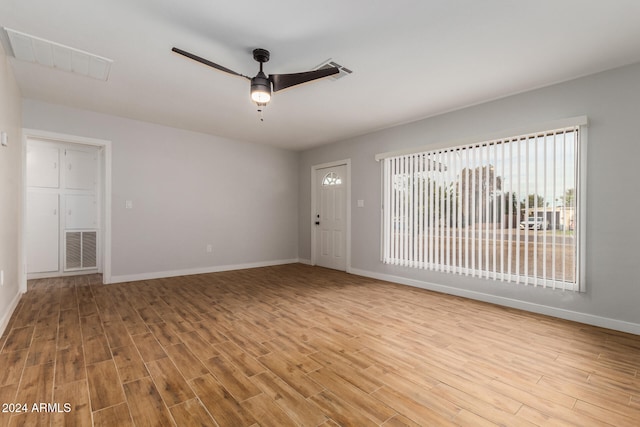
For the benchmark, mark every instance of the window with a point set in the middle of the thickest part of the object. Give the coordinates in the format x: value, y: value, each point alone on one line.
x: 331, y: 178
x: 505, y: 209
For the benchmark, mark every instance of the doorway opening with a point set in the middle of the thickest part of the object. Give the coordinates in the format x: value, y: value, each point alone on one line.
x: 66, y: 206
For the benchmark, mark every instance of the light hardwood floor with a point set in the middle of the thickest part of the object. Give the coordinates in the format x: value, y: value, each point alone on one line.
x: 300, y: 345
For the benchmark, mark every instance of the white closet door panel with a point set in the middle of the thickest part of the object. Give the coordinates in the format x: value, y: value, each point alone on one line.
x: 80, y: 170
x: 42, y: 232
x: 43, y: 165
x: 80, y: 211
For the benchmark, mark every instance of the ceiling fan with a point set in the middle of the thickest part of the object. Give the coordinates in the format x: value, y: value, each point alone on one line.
x: 261, y: 85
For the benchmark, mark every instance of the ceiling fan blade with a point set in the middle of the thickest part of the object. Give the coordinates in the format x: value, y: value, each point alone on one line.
x: 207, y: 62
x: 283, y: 81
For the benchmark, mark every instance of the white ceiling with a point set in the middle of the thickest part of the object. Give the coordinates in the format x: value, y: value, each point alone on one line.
x: 410, y: 58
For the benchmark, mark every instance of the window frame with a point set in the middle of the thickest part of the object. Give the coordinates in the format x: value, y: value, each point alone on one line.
x: 581, y: 123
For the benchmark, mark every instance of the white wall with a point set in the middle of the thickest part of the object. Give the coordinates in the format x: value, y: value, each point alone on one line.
x: 611, y: 100
x: 10, y: 190
x: 188, y: 190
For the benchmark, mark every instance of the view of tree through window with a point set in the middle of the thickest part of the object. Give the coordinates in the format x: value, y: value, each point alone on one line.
x: 503, y: 209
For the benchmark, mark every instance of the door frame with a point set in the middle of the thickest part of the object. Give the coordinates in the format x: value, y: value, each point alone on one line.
x: 314, y: 205
x: 105, y: 160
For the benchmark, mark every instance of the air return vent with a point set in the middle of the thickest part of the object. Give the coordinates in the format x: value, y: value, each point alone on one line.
x: 344, y: 71
x: 80, y: 250
x: 29, y: 48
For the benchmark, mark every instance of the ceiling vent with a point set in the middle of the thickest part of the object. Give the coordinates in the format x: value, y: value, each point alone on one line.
x: 344, y: 71
x: 29, y: 48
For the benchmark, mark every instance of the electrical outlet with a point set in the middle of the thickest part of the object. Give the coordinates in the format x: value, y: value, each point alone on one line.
x: 209, y: 248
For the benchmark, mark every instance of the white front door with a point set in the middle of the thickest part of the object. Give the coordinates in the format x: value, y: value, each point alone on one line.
x: 330, y: 218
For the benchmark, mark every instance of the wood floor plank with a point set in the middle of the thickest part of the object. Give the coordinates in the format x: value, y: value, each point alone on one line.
x: 117, y: 415
x: 634, y: 401
x: 415, y: 411
x: 416, y: 387
x: 105, y: 388
x: 188, y: 365
x: 198, y: 346
x: 7, y: 395
x: 148, y: 347
x: 91, y: 326
x: 340, y: 411
x: 292, y: 402
x: 12, y: 365
x: 163, y: 334
x: 538, y: 418
x: 291, y: 374
x: 149, y: 315
x: 30, y: 419
x: 232, y: 378
x: 69, y: 336
x: 209, y: 332
x: 371, y: 407
x: 117, y: 334
x: 269, y: 415
x: 607, y: 416
x: 400, y: 421
x: 466, y: 418
x: 220, y: 403
x: 477, y: 405
x: 19, y: 338
x: 130, y: 365
x: 249, y: 343
x: 36, y: 384
x: 146, y: 405
x: 300, y: 359
x: 169, y: 381
x: 46, y: 328
x: 606, y: 398
x: 350, y: 373
x: 96, y: 349
x: 41, y: 352
x: 76, y: 396
x: 191, y: 413
x: 243, y: 360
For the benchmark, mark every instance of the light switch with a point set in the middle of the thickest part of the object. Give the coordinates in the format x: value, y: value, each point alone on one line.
x: 361, y: 203
x: 128, y: 204
x: 4, y: 138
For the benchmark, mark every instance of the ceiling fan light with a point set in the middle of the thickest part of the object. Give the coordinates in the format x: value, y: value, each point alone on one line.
x: 260, y: 96
x: 260, y: 89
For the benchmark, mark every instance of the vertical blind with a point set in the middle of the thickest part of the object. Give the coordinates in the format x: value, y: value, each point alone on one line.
x: 504, y: 210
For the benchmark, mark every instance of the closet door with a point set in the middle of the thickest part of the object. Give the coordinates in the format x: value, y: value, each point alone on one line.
x: 42, y: 232
x: 43, y: 208
x: 43, y: 166
x: 81, y: 170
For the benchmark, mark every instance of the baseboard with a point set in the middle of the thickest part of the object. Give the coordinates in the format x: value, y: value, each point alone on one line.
x: 203, y: 270
x: 589, y: 319
x: 7, y: 315
x: 304, y: 261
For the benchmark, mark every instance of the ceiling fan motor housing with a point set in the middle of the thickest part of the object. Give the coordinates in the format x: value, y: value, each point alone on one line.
x: 261, y: 55
x: 260, y: 89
